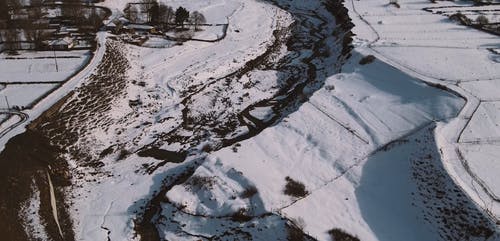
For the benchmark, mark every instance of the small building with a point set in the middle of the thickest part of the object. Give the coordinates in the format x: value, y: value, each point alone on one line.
x: 140, y: 28
x: 61, y: 44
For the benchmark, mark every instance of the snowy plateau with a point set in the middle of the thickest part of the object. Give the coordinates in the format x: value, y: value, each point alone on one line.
x: 277, y: 120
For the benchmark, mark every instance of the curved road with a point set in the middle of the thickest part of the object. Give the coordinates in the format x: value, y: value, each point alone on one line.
x: 23, y: 118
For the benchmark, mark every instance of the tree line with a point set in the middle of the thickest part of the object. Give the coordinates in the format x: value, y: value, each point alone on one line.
x: 162, y: 15
x: 34, y: 23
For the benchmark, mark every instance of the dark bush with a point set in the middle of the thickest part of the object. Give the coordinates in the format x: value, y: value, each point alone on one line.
x: 367, y: 59
x: 123, y: 154
x: 482, y: 20
x: 249, y: 192
x: 241, y: 216
x: 394, y: 3
x: 196, y: 183
x: 164, y: 155
x: 294, y: 234
x: 339, y: 235
x: 294, y: 188
x: 460, y: 18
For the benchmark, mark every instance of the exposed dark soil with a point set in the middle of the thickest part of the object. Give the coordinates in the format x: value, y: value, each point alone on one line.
x: 340, y: 235
x: 25, y: 161
x: 26, y: 168
x: 444, y: 204
x: 164, y: 155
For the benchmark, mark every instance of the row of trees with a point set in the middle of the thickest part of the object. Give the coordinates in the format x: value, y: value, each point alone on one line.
x: 160, y: 14
x: 35, y: 28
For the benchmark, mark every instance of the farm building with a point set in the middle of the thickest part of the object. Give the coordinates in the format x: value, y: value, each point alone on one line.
x: 61, y: 44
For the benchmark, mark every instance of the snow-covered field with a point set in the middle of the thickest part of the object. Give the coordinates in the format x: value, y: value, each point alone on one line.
x: 31, y: 66
x: 333, y: 143
x: 314, y: 147
x: 30, y: 76
x: 166, y: 75
x: 198, y: 141
x: 492, y: 12
x: 438, y: 50
x: 24, y: 95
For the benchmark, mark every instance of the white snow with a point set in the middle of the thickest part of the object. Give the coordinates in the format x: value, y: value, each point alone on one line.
x: 335, y: 143
x: 24, y: 94
x: 438, y: 50
x: 312, y: 147
x: 29, y: 211
x: 484, y: 125
x: 41, y: 66
x: 166, y: 73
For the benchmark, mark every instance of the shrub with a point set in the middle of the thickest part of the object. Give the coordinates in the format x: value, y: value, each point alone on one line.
x: 241, y: 216
x: 461, y: 18
x: 340, y: 235
x: 367, y: 59
x: 196, y: 183
x: 482, y: 20
x: 295, y: 230
x: 249, y: 192
x: 294, y: 234
x: 294, y: 188
x: 123, y: 154
x: 395, y: 3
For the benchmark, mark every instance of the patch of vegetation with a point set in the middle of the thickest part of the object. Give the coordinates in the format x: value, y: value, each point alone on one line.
x: 294, y: 188
x: 123, y: 154
x: 106, y: 152
x: 294, y: 234
x: 249, y: 192
x: 241, y: 216
x: 340, y: 235
x: 482, y: 20
x: 295, y: 230
x: 461, y: 18
x: 165, y: 155
x: 367, y: 60
x: 394, y: 3
x: 198, y: 182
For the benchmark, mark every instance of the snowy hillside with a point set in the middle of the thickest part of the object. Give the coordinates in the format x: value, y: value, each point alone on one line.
x: 307, y: 120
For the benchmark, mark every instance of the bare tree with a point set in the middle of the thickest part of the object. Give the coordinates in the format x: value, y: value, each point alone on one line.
x: 14, y: 4
x: 131, y: 12
x: 72, y: 9
x: 94, y: 18
x: 36, y: 10
x: 166, y: 15
x: 11, y: 40
x: 197, y: 18
x: 4, y: 10
x: 150, y: 7
x: 37, y: 35
x: 10, y: 7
